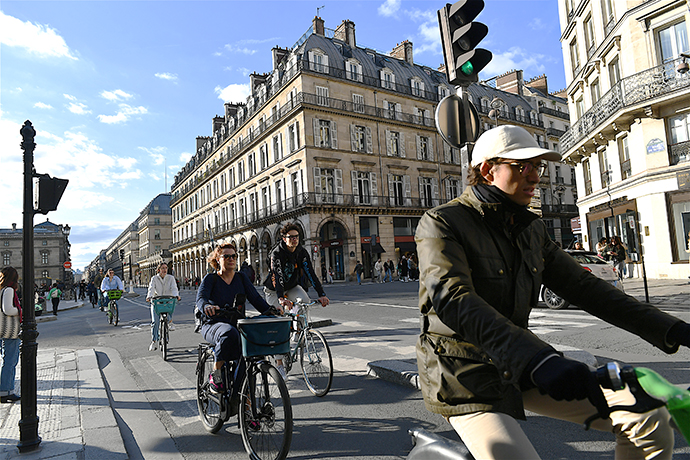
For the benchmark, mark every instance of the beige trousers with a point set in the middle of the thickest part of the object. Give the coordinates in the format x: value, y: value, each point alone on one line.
x: 490, y: 435
x: 293, y: 294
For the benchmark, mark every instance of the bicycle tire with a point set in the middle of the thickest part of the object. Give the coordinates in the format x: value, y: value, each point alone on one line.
x: 116, y: 314
x: 317, y: 362
x: 268, y: 435
x: 109, y: 313
x: 164, y: 337
x: 208, y: 404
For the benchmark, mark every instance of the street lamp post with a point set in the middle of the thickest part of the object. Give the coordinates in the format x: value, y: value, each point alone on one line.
x: 29, y: 439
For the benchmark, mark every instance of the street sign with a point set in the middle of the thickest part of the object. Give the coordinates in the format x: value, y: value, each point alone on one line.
x: 67, y: 264
x: 457, y: 121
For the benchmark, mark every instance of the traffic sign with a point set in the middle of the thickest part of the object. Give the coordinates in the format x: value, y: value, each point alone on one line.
x: 67, y: 264
x: 457, y: 120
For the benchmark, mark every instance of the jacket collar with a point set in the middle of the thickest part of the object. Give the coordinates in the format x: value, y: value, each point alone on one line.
x: 495, y: 212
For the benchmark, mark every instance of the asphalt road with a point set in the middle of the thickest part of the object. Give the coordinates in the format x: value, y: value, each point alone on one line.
x: 362, y: 417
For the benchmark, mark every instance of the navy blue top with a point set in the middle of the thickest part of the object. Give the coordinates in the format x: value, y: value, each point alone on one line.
x: 213, y: 290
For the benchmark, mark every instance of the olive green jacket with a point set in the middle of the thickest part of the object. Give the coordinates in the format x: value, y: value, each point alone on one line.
x: 478, y: 284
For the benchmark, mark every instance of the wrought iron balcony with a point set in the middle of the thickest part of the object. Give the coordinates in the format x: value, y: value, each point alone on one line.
x: 554, y: 132
x: 303, y: 202
x: 554, y: 113
x: 642, y: 87
x: 559, y: 209
x: 680, y: 152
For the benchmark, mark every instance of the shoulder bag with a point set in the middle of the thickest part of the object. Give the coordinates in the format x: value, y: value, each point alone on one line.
x: 10, y: 326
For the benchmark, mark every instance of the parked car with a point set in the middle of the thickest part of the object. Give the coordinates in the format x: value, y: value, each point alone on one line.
x: 591, y: 262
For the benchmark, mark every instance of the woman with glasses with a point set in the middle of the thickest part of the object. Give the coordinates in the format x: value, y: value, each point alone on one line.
x: 219, y: 290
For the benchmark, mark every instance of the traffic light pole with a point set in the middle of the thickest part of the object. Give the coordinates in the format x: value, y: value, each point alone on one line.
x: 29, y: 439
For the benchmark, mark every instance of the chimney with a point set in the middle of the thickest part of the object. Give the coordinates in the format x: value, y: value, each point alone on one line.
x: 14, y: 226
x: 403, y: 51
x: 510, y: 82
x: 442, y: 68
x: 278, y: 55
x: 230, y: 110
x: 346, y: 32
x: 200, y: 141
x: 317, y: 26
x: 539, y: 83
x: 255, y: 79
x: 217, y: 123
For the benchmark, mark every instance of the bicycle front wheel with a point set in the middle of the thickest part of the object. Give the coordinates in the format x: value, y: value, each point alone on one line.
x: 109, y: 313
x: 208, y: 403
x: 116, y: 314
x: 164, y: 337
x: 317, y: 362
x: 265, y: 413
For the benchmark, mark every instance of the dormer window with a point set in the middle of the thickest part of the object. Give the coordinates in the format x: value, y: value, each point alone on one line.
x: 387, y: 78
x: 417, y: 86
x: 318, y: 61
x: 353, y: 70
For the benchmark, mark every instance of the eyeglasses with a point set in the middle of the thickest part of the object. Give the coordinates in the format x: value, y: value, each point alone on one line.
x: 527, y: 167
x: 291, y: 237
x: 229, y: 256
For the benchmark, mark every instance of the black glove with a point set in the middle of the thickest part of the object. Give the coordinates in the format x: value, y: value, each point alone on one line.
x: 566, y: 379
x: 679, y: 334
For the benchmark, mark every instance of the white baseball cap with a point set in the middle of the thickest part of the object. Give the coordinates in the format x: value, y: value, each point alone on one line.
x: 509, y: 142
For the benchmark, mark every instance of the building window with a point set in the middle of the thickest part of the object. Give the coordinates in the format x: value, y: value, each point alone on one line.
x: 157, y: 221
x: 44, y: 258
x: 586, y: 170
x: 520, y: 114
x: 293, y: 135
x: 424, y: 150
x: 277, y: 148
x: 263, y: 153
x: 387, y: 79
x: 443, y: 91
x: 589, y: 36
x: 604, y: 169
x: 574, y: 58
x: 614, y: 72
x: 325, y: 134
x: 325, y: 181
x: 452, y: 188
x: 5, y: 243
x: 44, y: 243
x: 417, y: 87
x: 673, y: 40
x: 322, y: 96
x: 240, y: 172
x: 354, y: 70
x: 397, y: 187
x: 595, y: 91
x: 6, y: 259
x: 606, y: 11
x: 428, y: 192
x: 580, y: 107
x: 680, y: 134
x: 44, y: 274
x: 156, y: 234
x: 358, y: 103
x: 361, y: 139
x: 318, y: 61
x: 251, y: 164
x: 363, y: 186
x: 395, y: 144
x: 624, y: 155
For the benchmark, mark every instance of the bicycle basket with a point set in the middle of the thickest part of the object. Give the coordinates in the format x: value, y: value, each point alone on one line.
x: 265, y: 336
x: 164, y: 305
x: 114, y: 294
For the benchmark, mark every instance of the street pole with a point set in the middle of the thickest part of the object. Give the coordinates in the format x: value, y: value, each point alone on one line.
x: 28, y: 424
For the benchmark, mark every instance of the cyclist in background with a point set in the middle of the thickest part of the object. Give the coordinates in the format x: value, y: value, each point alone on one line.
x: 216, y: 291
x: 289, y: 260
x: 161, y: 285
x: 112, y: 281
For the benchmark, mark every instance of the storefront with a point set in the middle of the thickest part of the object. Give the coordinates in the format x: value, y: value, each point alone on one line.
x: 617, y: 217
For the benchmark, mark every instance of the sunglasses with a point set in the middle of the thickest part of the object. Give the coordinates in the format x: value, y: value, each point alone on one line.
x: 291, y: 237
x: 229, y: 256
x: 526, y: 168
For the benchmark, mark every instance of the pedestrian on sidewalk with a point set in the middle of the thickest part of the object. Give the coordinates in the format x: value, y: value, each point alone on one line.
x: 358, y: 271
x: 161, y: 284
x: 403, y: 269
x: 11, y: 312
x: 378, y: 268
x: 55, y: 294
x: 483, y: 257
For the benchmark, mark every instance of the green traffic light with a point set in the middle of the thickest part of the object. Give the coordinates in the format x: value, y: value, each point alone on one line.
x: 467, y: 68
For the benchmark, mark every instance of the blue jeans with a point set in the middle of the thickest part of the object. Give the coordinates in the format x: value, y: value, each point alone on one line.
x: 156, y: 324
x: 10, y: 358
x: 388, y: 276
x: 225, y: 339
x: 359, y: 278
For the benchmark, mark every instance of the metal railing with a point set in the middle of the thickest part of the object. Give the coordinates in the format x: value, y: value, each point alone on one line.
x: 641, y: 87
x: 554, y: 132
x: 554, y: 113
x: 559, y: 208
x: 680, y: 152
x: 306, y: 200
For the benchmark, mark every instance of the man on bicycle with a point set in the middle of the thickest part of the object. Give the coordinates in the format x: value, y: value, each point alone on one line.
x: 289, y: 261
x: 483, y: 258
x: 112, y: 281
x: 161, y: 284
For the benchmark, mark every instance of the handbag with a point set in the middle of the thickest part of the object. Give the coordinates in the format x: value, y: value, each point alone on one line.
x: 10, y: 326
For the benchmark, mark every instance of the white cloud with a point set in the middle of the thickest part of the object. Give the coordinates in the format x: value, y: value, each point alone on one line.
x: 156, y: 153
x: 167, y: 76
x: 78, y: 108
x: 515, y: 58
x: 116, y: 95
x: 36, y: 38
x: 185, y: 157
x: 127, y: 162
x: 123, y: 115
x: 41, y: 105
x: 69, y: 97
x: 244, y: 71
x: 233, y: 92
x: 389, y: 8
x: 238, y: 49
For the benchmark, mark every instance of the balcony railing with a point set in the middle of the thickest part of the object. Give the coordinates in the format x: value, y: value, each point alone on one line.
x: 680, y: 152
x: 554, y: 132
x: 635, y: 89
x: 304, y: 200
x: 554, y: 113
x: 511, y: 116
x: 559, y: 208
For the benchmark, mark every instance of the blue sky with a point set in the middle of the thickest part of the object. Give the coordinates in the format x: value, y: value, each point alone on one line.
x: 118, y: 91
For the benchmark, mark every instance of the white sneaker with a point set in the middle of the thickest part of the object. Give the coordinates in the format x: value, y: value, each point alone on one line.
x: 171, y: 326
x: 153, y: 346
x: 281, y: 369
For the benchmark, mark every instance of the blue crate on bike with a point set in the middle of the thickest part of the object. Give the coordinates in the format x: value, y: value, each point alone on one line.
x: 164, y: 305
x: 265, y: 336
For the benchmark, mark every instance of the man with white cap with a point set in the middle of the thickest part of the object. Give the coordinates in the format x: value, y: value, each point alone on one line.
x: 483, y: 258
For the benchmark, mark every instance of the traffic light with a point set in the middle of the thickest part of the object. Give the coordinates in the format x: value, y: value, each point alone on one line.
x: 48, y: 192
x: 459, y: 37
x: 122, y: 254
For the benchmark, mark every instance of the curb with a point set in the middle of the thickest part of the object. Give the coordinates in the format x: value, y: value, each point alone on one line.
x: 404, y: 371
x: 45, y: 316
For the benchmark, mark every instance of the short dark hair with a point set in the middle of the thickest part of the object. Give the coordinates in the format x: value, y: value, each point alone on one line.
x: 213, y: 257
x: 287, y: 227
x: 9, y: 277
x: 474, y: 173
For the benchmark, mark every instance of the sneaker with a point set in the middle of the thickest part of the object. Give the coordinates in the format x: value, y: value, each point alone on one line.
x: 10, y: 398
x: 153, y: 346
x: 171, y: 326
x: 281, y: 370
x: 215, y: 380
